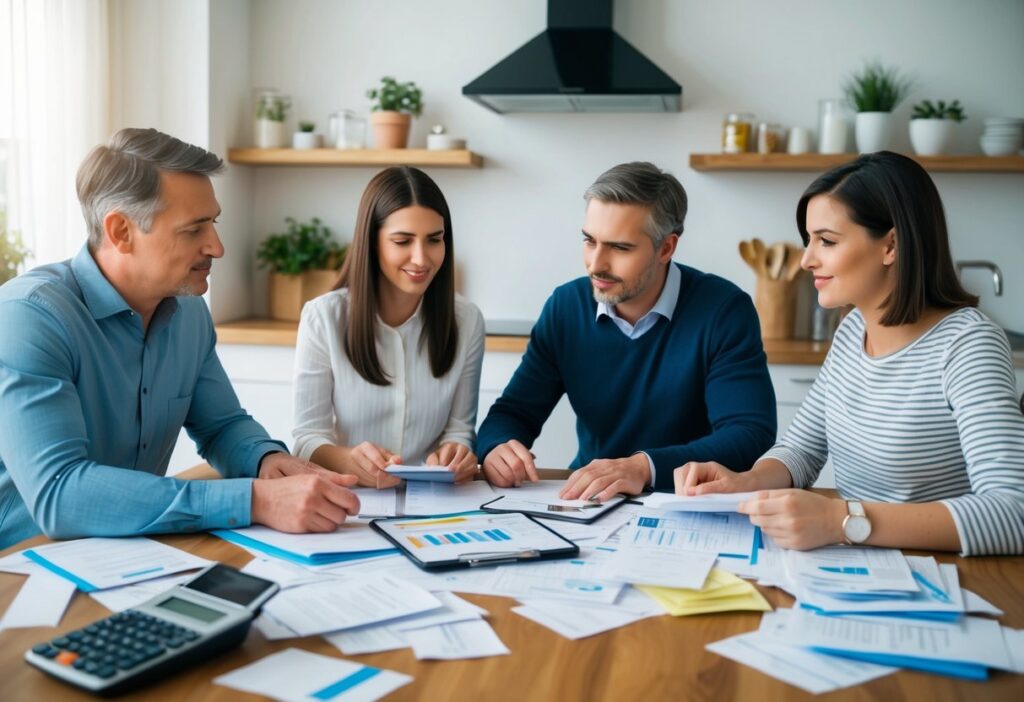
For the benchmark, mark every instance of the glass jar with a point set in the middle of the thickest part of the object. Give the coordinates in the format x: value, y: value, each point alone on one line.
x: 832, y: 127
x: 346, y: 130
x: 736, y: 131
x: 271, y: 110
x: 771, y: 138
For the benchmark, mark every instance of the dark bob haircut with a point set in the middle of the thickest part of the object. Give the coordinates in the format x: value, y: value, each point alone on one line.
x: 885, y: 192
x: 390, y: 190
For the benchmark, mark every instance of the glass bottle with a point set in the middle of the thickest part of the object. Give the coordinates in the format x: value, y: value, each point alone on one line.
x: 736, y: 130
x: 832, y: 127
x: 271, y: 110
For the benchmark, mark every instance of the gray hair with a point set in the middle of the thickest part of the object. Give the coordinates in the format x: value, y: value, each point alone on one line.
x: 642, y: 183
x: 124, y: 176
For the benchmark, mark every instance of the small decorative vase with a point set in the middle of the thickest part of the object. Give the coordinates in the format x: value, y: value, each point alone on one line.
x: 305, y: 140
x: 390, y: 129
x: 270, y: 134
x: 873, y: 131
x: 931, y: 137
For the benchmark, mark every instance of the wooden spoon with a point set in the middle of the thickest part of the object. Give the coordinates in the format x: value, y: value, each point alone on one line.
x: 761, y: 255
x: 747, y: 252
x: 793, y: 258
x: 776, y: 260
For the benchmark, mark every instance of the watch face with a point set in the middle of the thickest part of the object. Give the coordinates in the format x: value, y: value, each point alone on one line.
x: 857, y: 529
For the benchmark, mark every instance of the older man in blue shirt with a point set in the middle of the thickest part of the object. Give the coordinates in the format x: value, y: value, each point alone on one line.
x: 105, y: 357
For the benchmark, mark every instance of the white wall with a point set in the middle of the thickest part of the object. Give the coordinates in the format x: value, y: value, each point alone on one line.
x: 517, y: 220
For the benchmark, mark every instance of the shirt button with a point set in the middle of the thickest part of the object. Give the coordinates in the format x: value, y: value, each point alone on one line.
x: 144, y: 391
x: 232, y: 521
x: 144, y: 445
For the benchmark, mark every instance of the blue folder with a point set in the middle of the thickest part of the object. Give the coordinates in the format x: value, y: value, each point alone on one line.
x: 316, y: 559
x: 954, y: 669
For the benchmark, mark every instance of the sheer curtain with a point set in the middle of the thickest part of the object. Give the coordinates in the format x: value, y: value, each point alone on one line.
x: 54, y: 107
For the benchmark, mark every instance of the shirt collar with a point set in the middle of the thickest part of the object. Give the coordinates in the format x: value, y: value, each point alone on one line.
x: 666, y: 303
x: 100, y: 296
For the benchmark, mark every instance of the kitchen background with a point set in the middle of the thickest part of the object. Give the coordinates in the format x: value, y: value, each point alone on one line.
x: 189, y: 67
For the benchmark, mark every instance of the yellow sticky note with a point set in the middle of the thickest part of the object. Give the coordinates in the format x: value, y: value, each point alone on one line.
x: 722, y: 592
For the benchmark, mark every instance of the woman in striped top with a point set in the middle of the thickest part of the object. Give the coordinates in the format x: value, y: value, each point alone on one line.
x: 915, y: 403
x: 387, y: 365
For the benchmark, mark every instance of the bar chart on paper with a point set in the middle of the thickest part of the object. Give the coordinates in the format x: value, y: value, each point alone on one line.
x: 446, y: 538
x: 717, y: 533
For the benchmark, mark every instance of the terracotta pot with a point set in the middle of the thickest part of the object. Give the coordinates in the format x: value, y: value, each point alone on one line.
x: 288, y: 293
x: 390, y: 129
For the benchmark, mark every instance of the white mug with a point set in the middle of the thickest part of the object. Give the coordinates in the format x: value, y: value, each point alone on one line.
x: 799, y: 141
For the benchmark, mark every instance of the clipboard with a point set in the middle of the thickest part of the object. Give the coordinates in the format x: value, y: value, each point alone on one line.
x: 472, y: 539
x: 586, y: 514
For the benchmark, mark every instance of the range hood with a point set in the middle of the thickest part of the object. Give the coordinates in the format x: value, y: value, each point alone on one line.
x: 578, y: 64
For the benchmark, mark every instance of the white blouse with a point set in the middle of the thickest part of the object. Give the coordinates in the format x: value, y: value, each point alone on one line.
x: 410, y: 417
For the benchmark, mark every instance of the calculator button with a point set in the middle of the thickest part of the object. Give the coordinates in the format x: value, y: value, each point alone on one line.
x: 66, y: 657
x: 106, y: 671
x: 128, y: 662
x: 175, y: 642
x: 73, y: 647
x: 61, y: 641
x: 191, y: 636
x: 79, y: 664
x: 76, y: 635
x: 91, y: 629
x: 91, y: 666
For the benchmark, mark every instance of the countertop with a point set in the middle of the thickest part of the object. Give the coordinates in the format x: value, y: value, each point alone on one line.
x: 510, y: 336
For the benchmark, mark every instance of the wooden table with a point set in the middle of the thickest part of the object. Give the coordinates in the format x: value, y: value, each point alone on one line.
x: 660, y: 658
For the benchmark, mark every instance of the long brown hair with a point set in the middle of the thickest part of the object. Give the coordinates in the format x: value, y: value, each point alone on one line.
x: 885, y: 191
x: 390, y: 190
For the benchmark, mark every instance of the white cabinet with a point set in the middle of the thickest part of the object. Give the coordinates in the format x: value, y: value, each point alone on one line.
x: 791, y: 386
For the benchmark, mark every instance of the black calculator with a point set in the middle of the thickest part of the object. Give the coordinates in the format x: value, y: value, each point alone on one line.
x: 187, y: 624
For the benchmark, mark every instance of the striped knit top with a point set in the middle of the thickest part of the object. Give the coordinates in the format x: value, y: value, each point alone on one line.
x: 937, y: 420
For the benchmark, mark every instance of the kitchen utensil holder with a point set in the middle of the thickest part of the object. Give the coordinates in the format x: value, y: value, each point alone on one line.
x: 775, y: 301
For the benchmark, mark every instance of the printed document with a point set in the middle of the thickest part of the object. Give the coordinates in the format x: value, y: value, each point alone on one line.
x: 423, y: 498
x: 715, y: 502
x: 295, y: 675
x: 101, y: 563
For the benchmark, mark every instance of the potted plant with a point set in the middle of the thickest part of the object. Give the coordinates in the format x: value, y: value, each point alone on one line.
x: 303, y: 263
x: 305, y: 138
x: 932, y: 126
x: 12, y: 252
x: 393, y: 108
x: 875, y: 92
x: 271, y: 112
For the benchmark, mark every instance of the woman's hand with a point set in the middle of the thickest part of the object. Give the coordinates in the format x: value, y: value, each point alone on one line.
x: 367, y: 462
x: 459, y: 459
x: 797, y: 519
x: 702, y: 478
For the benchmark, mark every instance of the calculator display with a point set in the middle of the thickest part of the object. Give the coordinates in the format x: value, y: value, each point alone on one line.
x: 228, y: 584
x: 190, y: 609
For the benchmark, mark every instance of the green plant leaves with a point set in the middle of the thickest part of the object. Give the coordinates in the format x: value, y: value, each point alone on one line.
x: 399, y: 97
x: 876, y: 88
x: 926, y: 109
x: 303, y: 247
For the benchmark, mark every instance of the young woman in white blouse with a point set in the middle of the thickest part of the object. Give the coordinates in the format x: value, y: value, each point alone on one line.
x: 915, y: 403
x: 387, y: 366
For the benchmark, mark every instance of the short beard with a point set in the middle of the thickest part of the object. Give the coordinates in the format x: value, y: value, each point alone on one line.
x: 628, y: 293
x: 186, y: 290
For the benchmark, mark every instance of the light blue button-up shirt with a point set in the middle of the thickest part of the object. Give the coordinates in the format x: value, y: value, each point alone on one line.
x: 91, y: 406
x: 664, y: 307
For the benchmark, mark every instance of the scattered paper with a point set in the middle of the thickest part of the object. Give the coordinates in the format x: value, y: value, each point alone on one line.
x: 722, y: 592
x: 653, y: 564
x: 423, y: 498
x: 349, y: 539
x: 119, y: 599
x: 41, y: 601
x: 1014, y: 640
x: 975, y: 604
x: 284, y: 573
x: 297, y: 675
x: 576, y: 621
x: 17, y: 563
x: 344, y: 604
x: 377, y: 503
x: 511, y: 582
x: 469, y: 639
x: 716, y: 502
x: 814, y: 672
x: 704, y: 532
x: 101, y: 563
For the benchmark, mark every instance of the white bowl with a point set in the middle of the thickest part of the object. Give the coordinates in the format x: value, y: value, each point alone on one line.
x: 999, y: 149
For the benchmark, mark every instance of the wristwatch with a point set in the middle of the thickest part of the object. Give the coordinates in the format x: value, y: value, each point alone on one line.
x: 856, y: 525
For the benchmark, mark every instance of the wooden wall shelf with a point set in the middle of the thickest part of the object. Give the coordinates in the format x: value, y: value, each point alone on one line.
x: 453, y: 158
x: 823, y: 162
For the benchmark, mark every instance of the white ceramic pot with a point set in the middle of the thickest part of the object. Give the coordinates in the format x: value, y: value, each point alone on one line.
x: 873, y: 131
x: 931, y: 137
x: 269, y: 134
x: 305, y: 140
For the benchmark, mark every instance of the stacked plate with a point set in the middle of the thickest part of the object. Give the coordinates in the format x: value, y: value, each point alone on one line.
x: 1004, y: 136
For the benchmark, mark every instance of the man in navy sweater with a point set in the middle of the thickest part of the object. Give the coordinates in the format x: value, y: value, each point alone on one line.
x: 663, y: 364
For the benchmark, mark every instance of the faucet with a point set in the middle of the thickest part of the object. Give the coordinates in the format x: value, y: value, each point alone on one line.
x: 997, y: 275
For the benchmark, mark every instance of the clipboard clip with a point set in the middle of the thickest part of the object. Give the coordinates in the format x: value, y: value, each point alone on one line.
x: 492, y: 557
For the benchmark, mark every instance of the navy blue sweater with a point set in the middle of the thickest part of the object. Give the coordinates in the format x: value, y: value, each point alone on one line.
x: 695, y: 388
